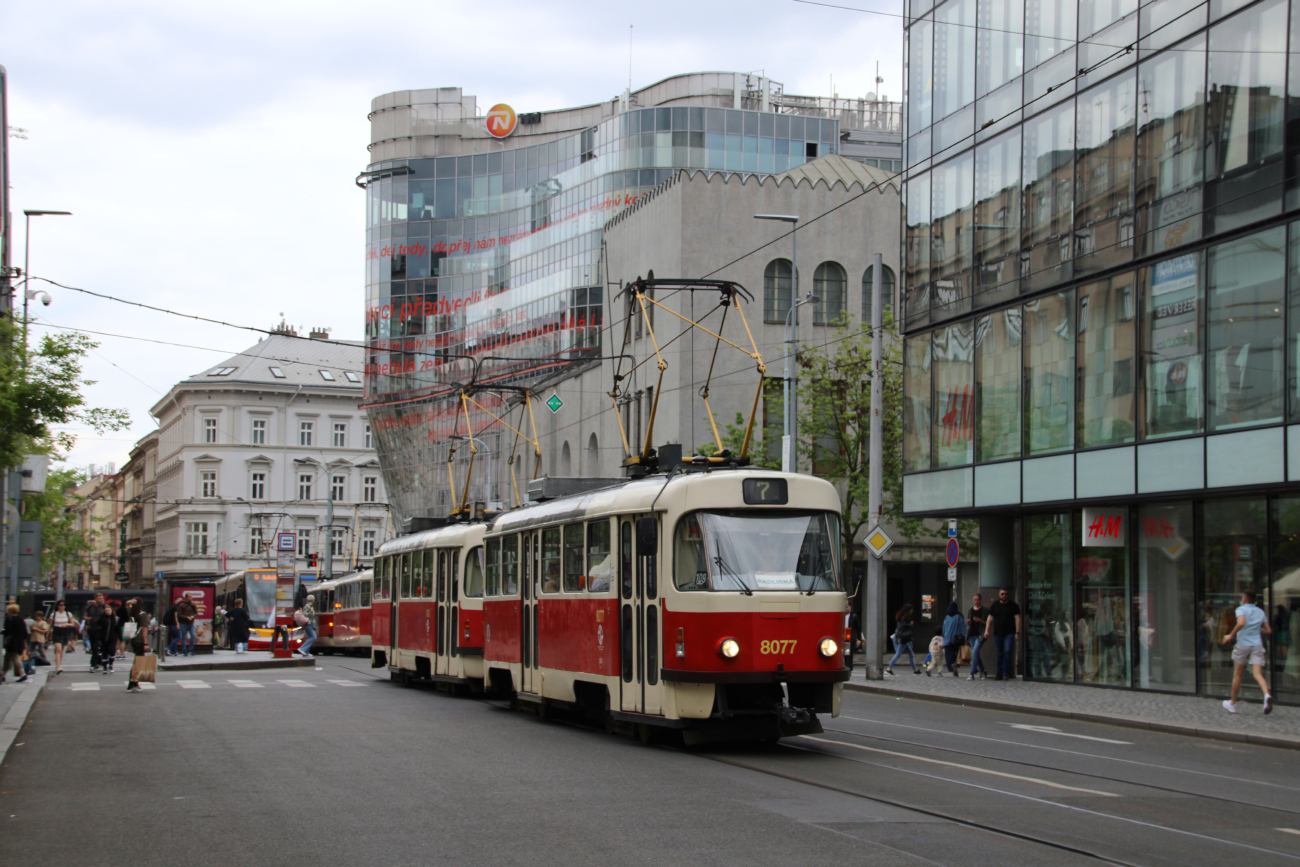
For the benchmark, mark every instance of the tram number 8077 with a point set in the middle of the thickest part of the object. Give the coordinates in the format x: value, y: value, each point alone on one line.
x: 767, y: 648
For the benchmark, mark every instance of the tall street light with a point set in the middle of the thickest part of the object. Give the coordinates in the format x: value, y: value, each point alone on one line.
x: 28, y: 294
x: 788, y: 421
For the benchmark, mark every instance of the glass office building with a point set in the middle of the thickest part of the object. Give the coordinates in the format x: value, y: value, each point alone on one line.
x: 484, y: 254
x: 1102, y: 313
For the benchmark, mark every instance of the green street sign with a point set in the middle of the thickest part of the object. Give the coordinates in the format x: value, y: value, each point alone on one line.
x: 554, y: 403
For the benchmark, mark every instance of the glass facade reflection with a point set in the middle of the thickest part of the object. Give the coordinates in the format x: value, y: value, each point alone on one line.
x: 1117, y: 225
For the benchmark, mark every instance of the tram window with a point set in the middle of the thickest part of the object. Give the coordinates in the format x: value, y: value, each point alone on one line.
x: 381, y: 573
x: 692, y: 571
x: 600, y: 561
x: 551, y: 560
x: 492, y: 568
x: 510, y: 565
x: 404, y: 564
x: 574, y: 579
x: 625, y: 558
x: 452, y: 572
x: 474, y: 573
x: 749, y: 550
x: 365, y: 594
x: 426, y: 588
x: 442, y: 575
x: 651, y: 645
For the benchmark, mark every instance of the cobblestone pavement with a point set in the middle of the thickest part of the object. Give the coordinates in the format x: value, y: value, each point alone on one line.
x: 1190, y: 714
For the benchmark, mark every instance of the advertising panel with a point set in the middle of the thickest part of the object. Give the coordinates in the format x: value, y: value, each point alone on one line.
x: 204, y: 601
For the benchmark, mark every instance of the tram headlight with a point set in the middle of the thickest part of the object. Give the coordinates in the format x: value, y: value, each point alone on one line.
x: 729, y: 648
x: 828, y: 647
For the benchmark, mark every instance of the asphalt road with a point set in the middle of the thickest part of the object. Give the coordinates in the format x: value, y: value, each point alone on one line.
x: 336, y: 766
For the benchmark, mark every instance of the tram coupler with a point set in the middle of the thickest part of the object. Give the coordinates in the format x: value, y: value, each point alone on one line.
x: 792, y: 721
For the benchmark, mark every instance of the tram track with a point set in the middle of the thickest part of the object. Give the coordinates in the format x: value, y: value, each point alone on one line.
x: 984, y: 826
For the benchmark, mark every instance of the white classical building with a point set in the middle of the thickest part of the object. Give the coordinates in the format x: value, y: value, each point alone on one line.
x: 268, y: 441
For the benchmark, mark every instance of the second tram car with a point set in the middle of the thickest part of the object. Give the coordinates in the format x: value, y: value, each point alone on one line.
x: 344, y: 611
x: 709, y: 602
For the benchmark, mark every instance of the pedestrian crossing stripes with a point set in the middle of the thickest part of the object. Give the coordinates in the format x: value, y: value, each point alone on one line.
x: 193, y: 684
x: 298, y: 684
x: 346, y: 682
x: 245, y: 684
x: 85, y: 687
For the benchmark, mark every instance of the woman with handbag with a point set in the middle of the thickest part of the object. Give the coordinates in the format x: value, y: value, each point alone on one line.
x: 135, y: 631
x: 903, y: 639
x: 954, y: 638
x: 65, y: 632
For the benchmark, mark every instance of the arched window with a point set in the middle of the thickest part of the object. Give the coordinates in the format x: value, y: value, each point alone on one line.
x: 776, y: 290
x: 829, y: 284
x: 566, y: 462
x: 886, y: 288
x: 593, y: 457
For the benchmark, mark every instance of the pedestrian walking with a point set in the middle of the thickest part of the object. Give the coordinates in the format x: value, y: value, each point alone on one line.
x: 39, y: 635
x: 173, y: 632
x: 308, y: 624
x: 185, y: 615
x: 1251, y: 627
x: 954, y: 637
x: 238, y: 625
x: 1004, y: 628
x: 136, y: 616
x: 15, y: 643
x: 902, y: 637
x: 103, y: 639
x: 976, y: 622
x: 64, y: 631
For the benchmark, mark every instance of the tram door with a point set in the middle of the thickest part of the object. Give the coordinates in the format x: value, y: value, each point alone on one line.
x: 440, y: 615
x: 639, y: 630
x: 527, y: 553
x: 395, y: 571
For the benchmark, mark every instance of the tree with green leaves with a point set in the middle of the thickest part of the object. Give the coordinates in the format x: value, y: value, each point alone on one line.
x: 61, y: 540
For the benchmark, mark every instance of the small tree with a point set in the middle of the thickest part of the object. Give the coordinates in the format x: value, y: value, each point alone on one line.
x: 61, y: 541
x: 733, y: 437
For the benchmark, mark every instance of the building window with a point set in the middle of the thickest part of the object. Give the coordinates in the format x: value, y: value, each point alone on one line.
x: 998, y: 353
x: 370, y: 489
x: 304, y: 486
x: 209, y: 430
x: 370, y: 444
x: 1106, y: 353
x: 255, y: 541
x: 257, y: 490
x: 327, y: 376
x: 368, y: 539
x: 829, y: 284
x: 336, y: 541
x: 208, y: 484
x: 868, y: 293
x: 337, y: 486
x: 277, y: 373
x: 196, y: 538
x: 259, y: 431
x: 304, y: 542
x: 916, y: 403
x: 776, y: 290
x: 1049, y: 374
x: 340, y: 435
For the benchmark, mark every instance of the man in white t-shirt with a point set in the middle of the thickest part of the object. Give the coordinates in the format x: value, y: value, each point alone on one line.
x: 1252, y: 626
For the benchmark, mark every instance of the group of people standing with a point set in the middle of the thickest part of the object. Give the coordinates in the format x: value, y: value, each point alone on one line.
x: 106, y: 629
x: 1000, y: 623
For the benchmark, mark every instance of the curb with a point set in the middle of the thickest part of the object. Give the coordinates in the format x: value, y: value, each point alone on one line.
x: 238, y: 665
x: 13, y: 720
x: 1281, y: 741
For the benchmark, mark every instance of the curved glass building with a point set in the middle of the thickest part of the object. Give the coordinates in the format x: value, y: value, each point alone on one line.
x: 483, y: 253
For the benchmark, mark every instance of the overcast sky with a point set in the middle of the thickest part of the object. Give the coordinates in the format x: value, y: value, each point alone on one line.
x: 207, y: 150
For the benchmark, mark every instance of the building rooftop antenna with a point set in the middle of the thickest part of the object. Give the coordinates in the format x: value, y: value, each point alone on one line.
x: 630, y: 28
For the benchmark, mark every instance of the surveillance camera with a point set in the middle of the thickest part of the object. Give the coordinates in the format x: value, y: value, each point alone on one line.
x: 46, y: 299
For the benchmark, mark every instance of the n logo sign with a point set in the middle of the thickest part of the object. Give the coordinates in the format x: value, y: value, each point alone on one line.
x: 501, y: 120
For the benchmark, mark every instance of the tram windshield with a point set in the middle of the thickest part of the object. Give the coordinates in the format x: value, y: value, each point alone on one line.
x: 764, y: 551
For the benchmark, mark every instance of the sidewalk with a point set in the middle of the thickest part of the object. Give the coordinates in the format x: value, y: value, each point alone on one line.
x: 16, y: 700
x: 1196, y: 716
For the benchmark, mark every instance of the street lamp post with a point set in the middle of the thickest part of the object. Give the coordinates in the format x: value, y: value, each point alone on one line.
x: 483, y: 445
x: 28, y: 293
x: 789, y: 422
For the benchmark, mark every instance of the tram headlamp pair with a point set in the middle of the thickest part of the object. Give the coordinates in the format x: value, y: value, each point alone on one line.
x: 729, y: 648
x: 828, y: 647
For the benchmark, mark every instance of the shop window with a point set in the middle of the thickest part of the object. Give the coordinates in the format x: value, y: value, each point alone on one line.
x: 1049, y: 621
x: 1293, y: 338
x: 1244, y: 330
x: 1164, y: 601
x: 830, y: 284
x: 1283, y: 603
x: 1234, y: 558
x: 1101, y: 574
x: 1106, y: 353
x: 997, y: 389
x: 917, y: 365
x: 777, y: 281
x: 954, y: 389
x: 1172, y: 293
x: 1049, y: 374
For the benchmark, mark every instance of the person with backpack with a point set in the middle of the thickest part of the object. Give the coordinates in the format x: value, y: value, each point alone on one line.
x: 306, y: 618
x: 185, y: 615
x: 954, y: 637
x: 238, y: 625
x: 903, y: 639
x: 103, y: 639
x: 136, y: 631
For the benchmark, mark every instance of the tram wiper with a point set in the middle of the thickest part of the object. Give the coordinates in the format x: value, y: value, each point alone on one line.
x: 721, y: 564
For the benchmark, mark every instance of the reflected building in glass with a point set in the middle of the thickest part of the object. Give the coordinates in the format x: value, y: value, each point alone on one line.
x: 485, y: 248
x: 1102, y: 308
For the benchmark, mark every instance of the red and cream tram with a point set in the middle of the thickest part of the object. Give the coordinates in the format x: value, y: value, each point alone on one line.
x: 344, y: 611
x: 709, y: 602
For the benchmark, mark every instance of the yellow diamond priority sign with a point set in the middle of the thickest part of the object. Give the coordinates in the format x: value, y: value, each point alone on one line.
x: 878, y: 541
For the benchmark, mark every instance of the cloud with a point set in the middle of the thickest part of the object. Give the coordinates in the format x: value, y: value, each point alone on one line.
x: 208, y: 149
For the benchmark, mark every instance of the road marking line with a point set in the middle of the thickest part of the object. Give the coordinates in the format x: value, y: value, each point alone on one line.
x: 147, y: 685
x: 1288, y: 831
x: 193, y: 684
x: 246, y: 684
x: 1051, y: 730
x: 298, y: 684
x: 346, y: 682
x: 1037, y: 780
x: 85, y: 687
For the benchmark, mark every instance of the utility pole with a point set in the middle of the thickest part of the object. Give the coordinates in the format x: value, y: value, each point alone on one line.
x: 872, y: 616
